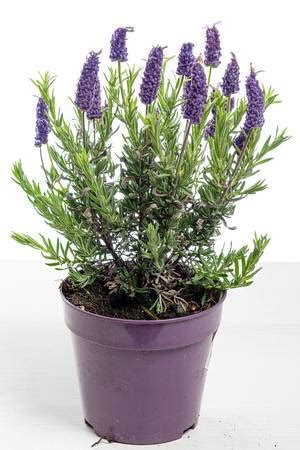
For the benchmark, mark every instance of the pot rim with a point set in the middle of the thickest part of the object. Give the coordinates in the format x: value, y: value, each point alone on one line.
x: 144, y: 321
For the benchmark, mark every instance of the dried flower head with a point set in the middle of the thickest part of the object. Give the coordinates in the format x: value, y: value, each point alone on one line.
x: 87, y: 80
x: 42, y: 127
x: 231, y: 79
x: 152, y: 76
x: 186, y: 60
x: 212, y: 47
x: 118, y: 50
x: 255, y: 109
x: 196, y: 95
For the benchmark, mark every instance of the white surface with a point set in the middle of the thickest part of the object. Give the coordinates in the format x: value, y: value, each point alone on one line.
x: 251, y: 399
x: 37, y: 35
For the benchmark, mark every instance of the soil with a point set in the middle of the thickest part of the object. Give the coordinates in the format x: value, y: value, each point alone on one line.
x: 97, y: 299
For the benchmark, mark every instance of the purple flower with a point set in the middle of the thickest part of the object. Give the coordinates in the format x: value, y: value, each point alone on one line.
x: 212, y: 47
x: 255, y: 109
x: 211, y: 126
x: 152, y: 76
x: 231, y: 77
x: 196, y: 95
x: 118, y: 50
x: 87, y: 80
x: 185, y: 93
x: 42, y: 127
x: 186, y: 60
x: 94, y: 111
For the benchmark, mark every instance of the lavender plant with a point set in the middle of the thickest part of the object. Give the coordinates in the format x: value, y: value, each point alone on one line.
x: 145, y: 223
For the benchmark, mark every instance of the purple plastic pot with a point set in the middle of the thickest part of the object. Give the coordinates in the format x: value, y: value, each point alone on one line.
x: 142, y: 381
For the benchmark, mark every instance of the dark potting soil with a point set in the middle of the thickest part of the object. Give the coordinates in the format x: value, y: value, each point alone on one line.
x: 97, y: 299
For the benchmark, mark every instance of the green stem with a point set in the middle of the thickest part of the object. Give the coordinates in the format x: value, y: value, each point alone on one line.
x: 180, y: 85
x: 150, y: 314
x: 94, y: 131
x: 141, y: 212
x: 121, y: 83
x: 228, y: 104
x: 178, y: 165
x: 83, y: 130
x: 43, y: 167
x: 235, y: 170
x: 209, y: 75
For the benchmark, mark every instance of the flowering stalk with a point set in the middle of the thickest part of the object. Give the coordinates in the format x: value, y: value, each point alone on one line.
x: 235, y: 170
x: 119, y: 53
x: 152, y: 76
x: 118, y: 49
x: 85, y: 87
x: 211, y: 127
x: 212, y: 53
x: 42, y: 124
x: 231, y: 81
x: 186, y: 60
x: 94, y: 111
x: 184, y: 144
x: 209, y: 75
x: 196, y: 95
x: 120, y: 77
x: 148, y: 92
x: 87, y: 80
x: 255, y: 109
x: 231, y: 78
x: 254, y: 119
x: 42, y: 131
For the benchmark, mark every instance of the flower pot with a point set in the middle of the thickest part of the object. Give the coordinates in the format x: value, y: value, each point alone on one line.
x: 142, y: 381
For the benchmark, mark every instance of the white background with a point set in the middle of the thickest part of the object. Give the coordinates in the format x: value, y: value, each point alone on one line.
x: 57, y: 35
x: 252, y: 397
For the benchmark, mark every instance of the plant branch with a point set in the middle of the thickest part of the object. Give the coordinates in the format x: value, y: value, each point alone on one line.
x: 43, y: 166
x: 182, y: 151
x: 83, y: 130
x: 141, y: 204
x: 209, y: 75
x: 235, y: 170
x: 121, y: 84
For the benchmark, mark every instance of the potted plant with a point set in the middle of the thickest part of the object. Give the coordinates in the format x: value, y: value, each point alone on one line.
x: 138, y: 190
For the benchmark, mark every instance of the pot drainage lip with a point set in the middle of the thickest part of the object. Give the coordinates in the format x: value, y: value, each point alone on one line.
x: 88, y: 424
x: 192, y: 427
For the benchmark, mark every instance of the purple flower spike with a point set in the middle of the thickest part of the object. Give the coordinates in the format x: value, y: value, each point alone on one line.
x: 255, y: 109
x: 231, y: 81
x: 186, y: 60
x: 211, y: 126
x: 118, y: 50
x: 94, y: 111
x: 42, y: 128
x: 196, y: 95
x: 86, y: 83
x: 212, y: 47
x: 152, y: 76
x: 185, y: 94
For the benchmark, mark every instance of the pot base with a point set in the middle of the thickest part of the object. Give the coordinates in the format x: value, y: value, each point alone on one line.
x: 173, y: 438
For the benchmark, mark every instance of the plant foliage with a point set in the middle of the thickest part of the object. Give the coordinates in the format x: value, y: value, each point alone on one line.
x: 154, y: 207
